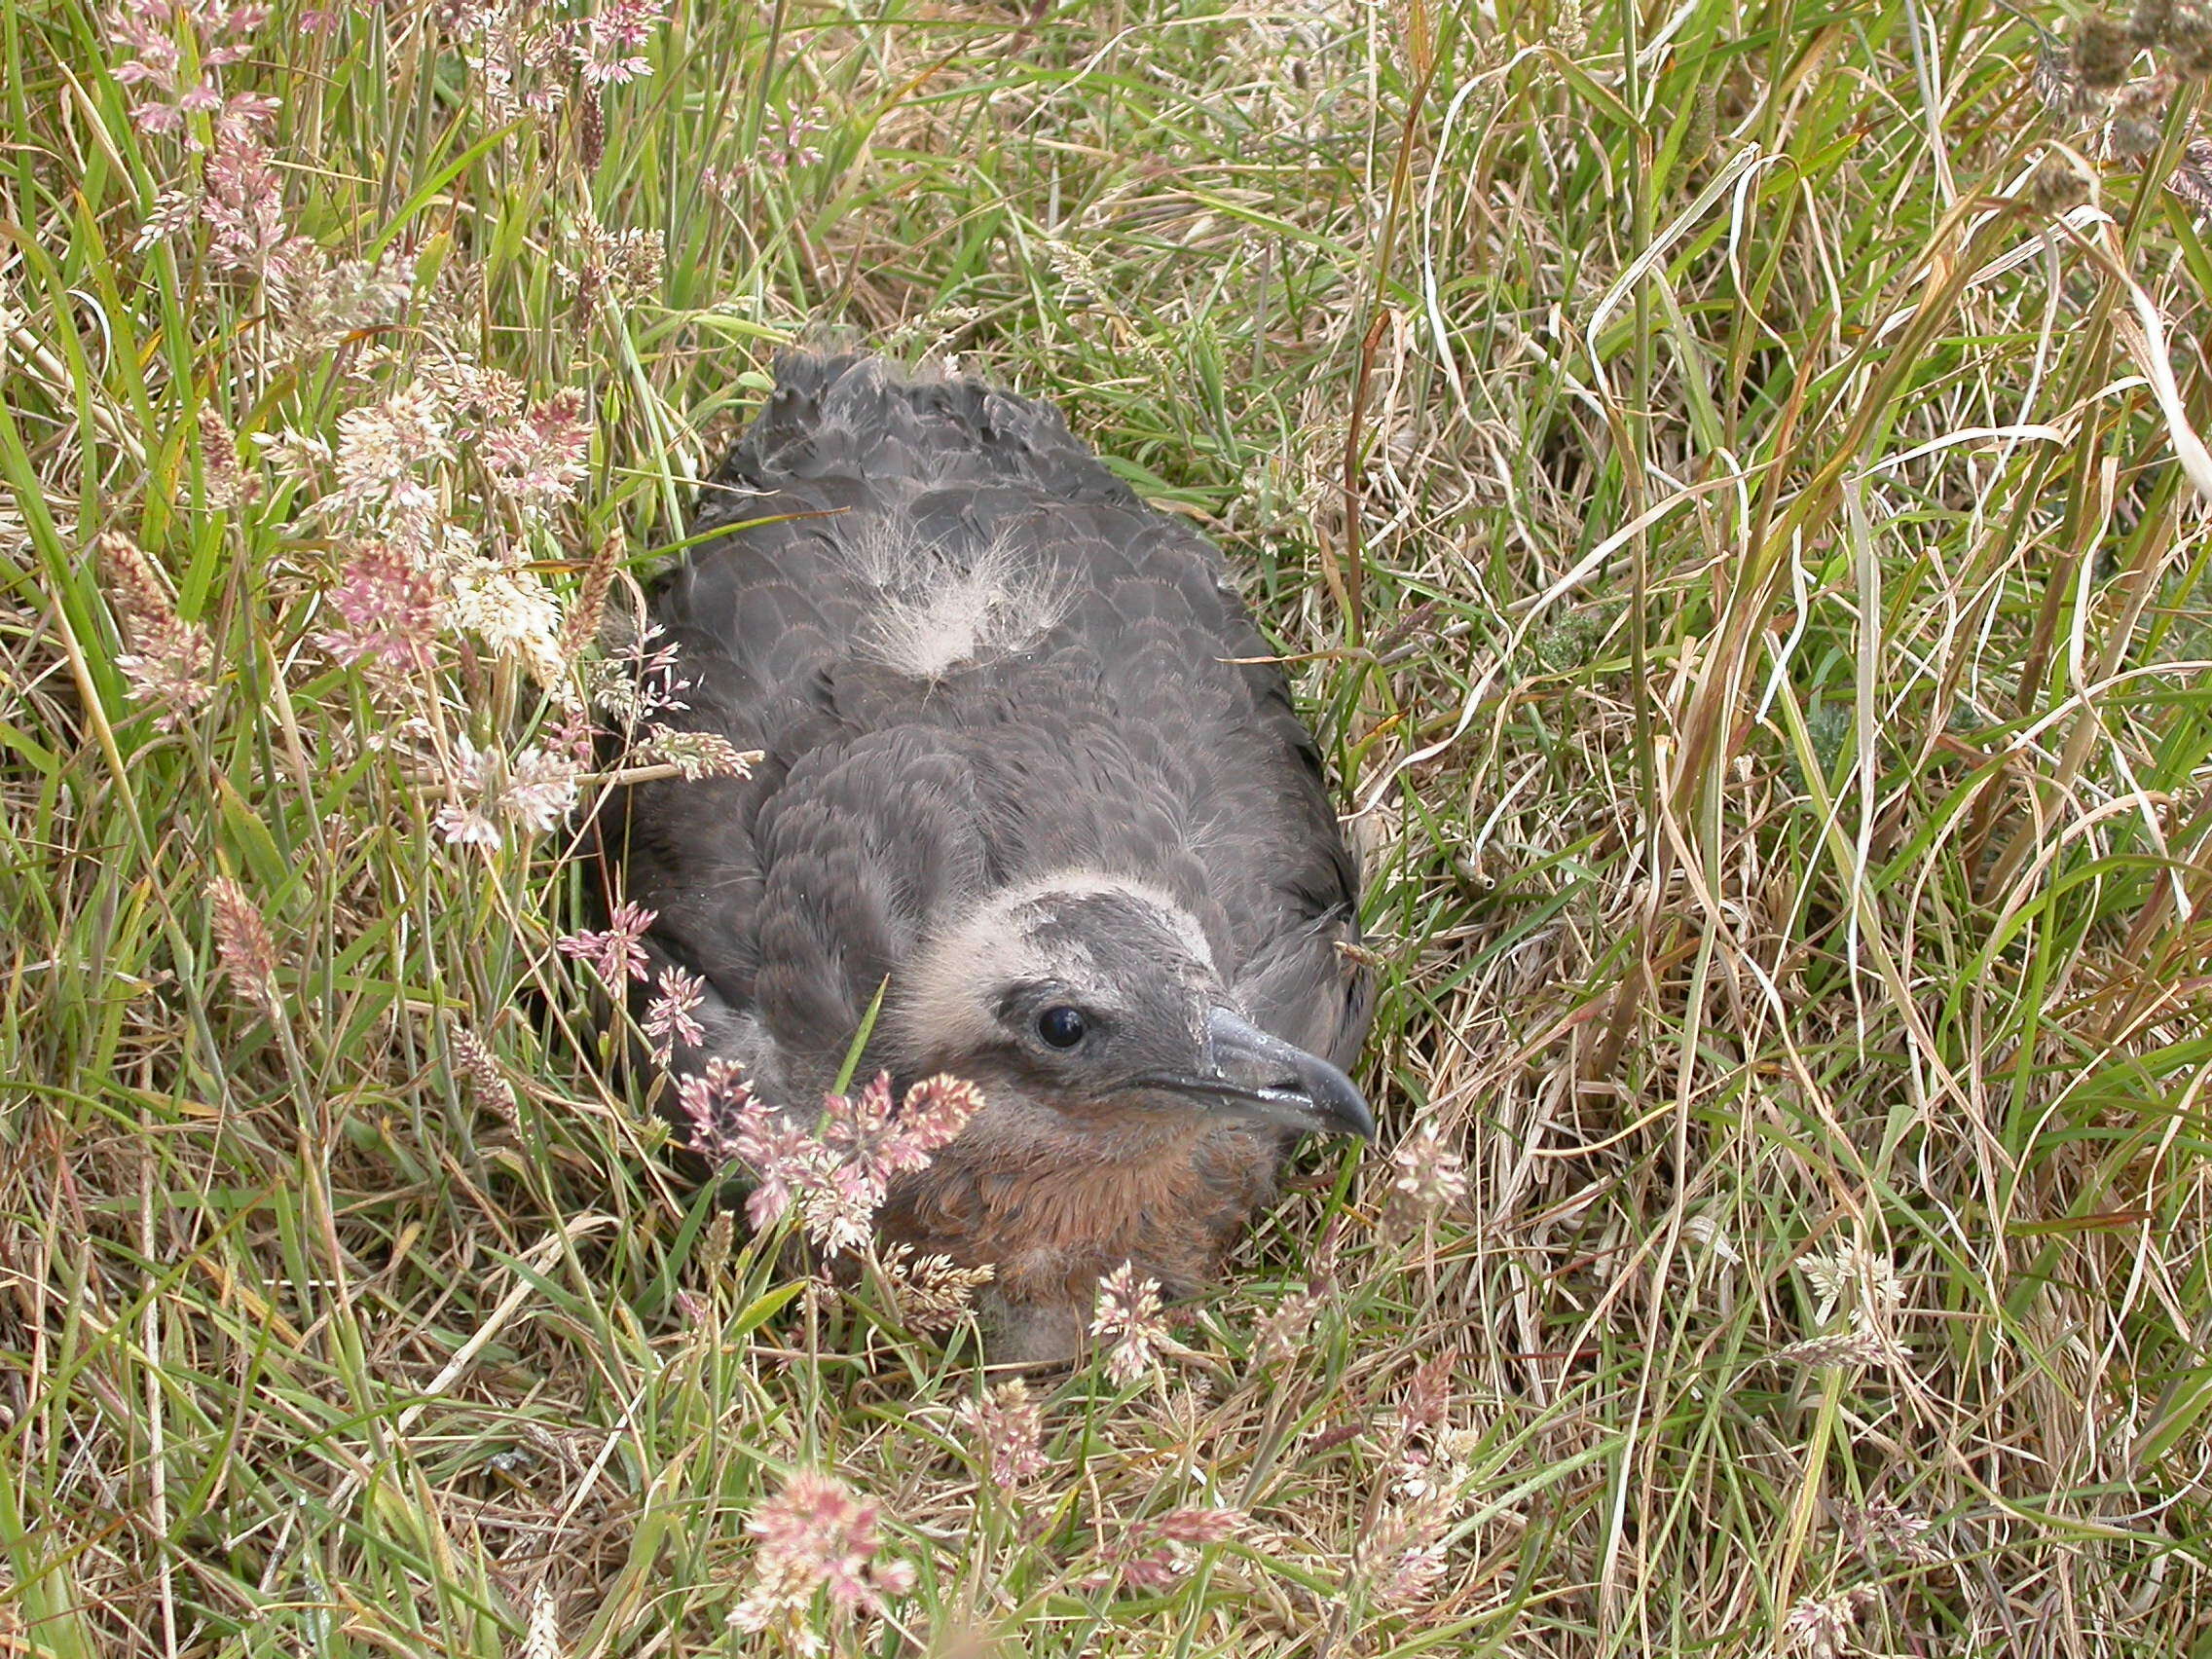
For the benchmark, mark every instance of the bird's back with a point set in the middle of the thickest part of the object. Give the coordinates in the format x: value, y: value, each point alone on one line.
x: 971, y: 657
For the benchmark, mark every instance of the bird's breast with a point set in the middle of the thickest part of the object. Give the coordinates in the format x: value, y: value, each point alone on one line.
x: 1051, y: 1226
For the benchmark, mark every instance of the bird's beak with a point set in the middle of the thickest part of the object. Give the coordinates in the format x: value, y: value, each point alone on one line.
x: 1250, y: 1071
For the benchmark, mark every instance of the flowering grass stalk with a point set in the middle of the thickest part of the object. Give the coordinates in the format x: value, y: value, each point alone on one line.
x: 835, y: 1175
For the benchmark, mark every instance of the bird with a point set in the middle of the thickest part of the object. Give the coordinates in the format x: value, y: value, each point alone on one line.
x: 1032, y: 788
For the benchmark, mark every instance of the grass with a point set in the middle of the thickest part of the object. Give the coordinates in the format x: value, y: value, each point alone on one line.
x: 1712, y: 465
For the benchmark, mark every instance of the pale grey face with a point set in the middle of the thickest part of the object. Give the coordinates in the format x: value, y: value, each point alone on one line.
x: 1095, y: 996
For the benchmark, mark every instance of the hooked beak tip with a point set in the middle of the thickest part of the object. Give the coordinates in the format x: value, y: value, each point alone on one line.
x: 1354, y: 1115
x: 1284, y: 1083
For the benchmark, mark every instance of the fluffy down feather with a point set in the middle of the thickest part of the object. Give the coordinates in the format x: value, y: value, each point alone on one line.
x: 977, y: 664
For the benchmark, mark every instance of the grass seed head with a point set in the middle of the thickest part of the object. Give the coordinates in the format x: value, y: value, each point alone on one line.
x: 171, y: 663
x: 1127, y: 1316
x: 473, y: 1059
x: 2104, y: 51
x: 242, y: 939
x: 1008, y: 1430
x: 816, y: 1534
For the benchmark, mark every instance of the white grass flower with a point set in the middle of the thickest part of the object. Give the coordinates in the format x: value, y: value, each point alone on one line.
x: 381, y: 447
x: 932, y: 1292
x: 1821, y: 1626
x: 513, y: 613
x: 465, y: 826
x: 334, y: 298
x: 543, y: 1640
x: 1846, y: 1348
x: 533, y: 791
x: 699, y: 754
x: 1868, y: 1280
x: 1284, y: 1333
x: 541, y: 790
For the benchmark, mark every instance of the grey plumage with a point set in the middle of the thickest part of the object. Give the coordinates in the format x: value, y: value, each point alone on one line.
x: 1007, y: 762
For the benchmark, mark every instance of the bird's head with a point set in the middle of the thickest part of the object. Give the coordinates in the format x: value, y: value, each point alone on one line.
x: 1099, y: 998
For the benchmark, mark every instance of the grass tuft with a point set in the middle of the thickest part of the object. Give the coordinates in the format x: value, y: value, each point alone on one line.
x: 1731, y: 482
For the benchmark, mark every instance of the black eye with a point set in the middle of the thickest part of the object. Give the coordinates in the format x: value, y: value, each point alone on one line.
x: 1061, y: 1026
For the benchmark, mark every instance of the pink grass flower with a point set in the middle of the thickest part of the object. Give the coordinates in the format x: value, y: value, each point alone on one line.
x: 839, y: 1210
x: 145, y: 51
x: 172, y: 662
x: 157, y: 119
x: 668, y: 1018
x: 834, y: 1177
x: 607, y: 46
x: 616, y: 952
x: 1428, y: 1173
x: 788, y: 1164
x: 1008, y: 1428
x: 791, y: 145
x: 816, y: 1534
x: 1284, y: 1334
x: 717, y: 1103
x: 538, y: 459
x: 1154, y: 1554
x: 630, y: 23
x: 1128, y: 1316
x: 1821, y: 1626
x: 388, y: 611
x: 243, y: 210
x: 883, y: 1142
x: 242, y: 939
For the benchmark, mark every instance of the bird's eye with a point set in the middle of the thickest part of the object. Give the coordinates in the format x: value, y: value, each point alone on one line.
x: 1061, y: 1026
